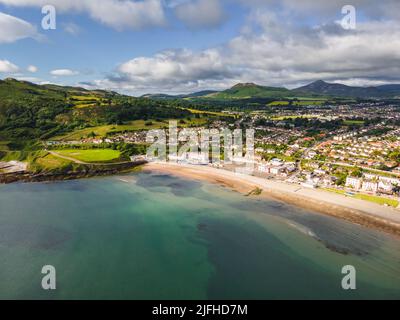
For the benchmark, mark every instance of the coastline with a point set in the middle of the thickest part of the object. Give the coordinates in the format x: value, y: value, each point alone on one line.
x: 356, y: 211
x: 85, y: 171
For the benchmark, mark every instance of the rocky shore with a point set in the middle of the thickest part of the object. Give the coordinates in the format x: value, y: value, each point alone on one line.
x: 85, y: 171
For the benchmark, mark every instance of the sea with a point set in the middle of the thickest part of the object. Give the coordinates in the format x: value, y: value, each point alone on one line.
x: 149, y: 235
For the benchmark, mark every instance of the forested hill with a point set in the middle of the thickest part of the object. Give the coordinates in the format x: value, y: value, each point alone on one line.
x: 32, y: 112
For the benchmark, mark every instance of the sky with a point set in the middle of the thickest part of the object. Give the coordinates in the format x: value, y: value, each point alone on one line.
x: 181, y: 46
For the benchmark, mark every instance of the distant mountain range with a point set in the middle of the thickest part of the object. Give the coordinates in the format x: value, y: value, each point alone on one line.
x: 340, y: 90
x: 180, y: 96
x: 14, y: 89
x: 315, y: 89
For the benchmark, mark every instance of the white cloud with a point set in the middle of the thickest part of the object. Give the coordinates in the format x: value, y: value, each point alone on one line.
x: 200, y: 13
x: 170, y: 70
x: 13, y: 29
x: 117, y: 14
x: 372, y: 8
x: 64, y: 72
x: 277, y: 54
x: 32, y: 69
x: 72, y: 28
x: 8, y: 67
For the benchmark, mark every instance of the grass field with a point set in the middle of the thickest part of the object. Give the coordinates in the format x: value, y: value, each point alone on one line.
x: 102, y: 131
x: 85, y: 101
x: 353, y: 122
x: 278, y: 103
x: 91, y: 155
x: 50, y: 162
x: 378, y: 200
x: 309, y: 102
x: 302, y: 102
x: 3, y: 145
x: 367, y: 197
x: 85, y: 98
x: 292, y: 117
x: 221, y: 114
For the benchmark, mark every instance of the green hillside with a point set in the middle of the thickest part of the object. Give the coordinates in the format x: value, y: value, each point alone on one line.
x: 30, y: 112
x: 250, y: 90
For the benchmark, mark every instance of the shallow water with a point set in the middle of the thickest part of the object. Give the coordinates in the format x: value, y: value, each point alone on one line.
x: 153, y: 236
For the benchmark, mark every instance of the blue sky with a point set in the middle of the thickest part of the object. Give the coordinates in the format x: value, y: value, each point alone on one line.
x: 188, y: 45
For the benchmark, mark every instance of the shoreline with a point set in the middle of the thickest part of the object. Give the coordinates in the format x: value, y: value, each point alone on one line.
x: 356, y: 211
x: 86, y: 171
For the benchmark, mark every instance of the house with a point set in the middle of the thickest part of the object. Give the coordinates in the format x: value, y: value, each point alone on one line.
x: 311, y: 154
x: 309, y: 184
x: 197, y: 158
x: 393, y: 181
x: 264, y: 168
x: 370, y: 186
x: 291, y: 167
x: 276, y: 162
x: 329, y: 181
x: 385, y: 187
x: 354, y: 183
x: 314, y: 165
x: 276, y: 170
x: 319, y: 172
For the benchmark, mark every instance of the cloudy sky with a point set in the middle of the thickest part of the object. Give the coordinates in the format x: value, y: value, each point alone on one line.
x: 177, y: 46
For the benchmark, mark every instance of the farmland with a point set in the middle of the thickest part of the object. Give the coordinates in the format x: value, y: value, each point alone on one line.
x: 103, y: 131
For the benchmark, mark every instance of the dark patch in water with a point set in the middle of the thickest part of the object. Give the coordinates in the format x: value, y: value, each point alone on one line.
x: 201, y: 227
x: 342, y: 251
x: 338, y: 236
x: 179, y: 187
x: 32, y: 236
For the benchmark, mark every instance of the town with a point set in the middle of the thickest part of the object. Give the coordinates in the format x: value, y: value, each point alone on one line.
x: 353, y: 149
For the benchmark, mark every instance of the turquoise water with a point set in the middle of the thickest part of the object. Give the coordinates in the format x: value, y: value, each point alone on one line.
x: 153, y: 236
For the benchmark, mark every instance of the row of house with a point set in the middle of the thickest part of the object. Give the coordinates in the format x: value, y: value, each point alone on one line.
x: 380, y: 184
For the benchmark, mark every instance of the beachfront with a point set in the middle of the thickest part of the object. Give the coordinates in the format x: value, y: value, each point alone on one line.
x: 357, y: 211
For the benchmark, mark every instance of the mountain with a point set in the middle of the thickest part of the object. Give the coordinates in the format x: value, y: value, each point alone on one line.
x: 198, y: 94
x: 340, y: 90
x: 12, y: 89
x: 317, y: 89
x: 239, y: 91
x: 390, y: 89
x: 250, y: 90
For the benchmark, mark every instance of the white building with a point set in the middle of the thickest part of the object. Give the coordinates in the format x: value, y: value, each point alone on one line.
x: 319, y: 172
x: 354, y: 183
x: 276, y: 162
x: 389, y: 180
x: 385, y: 187
x: 264, y: 168
x: 309, y: 184
x: 370, y: 186
x: 311, y: 154
x: 276, y: 170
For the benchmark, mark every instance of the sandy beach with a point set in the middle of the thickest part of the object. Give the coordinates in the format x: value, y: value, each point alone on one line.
x: 361, y: 212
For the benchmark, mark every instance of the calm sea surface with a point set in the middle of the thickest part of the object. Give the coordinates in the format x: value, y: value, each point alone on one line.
x: 153, y: 236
